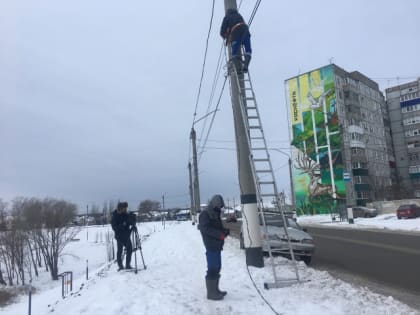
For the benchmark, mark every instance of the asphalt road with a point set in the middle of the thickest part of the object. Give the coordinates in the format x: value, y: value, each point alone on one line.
x: 386, y: 262
x: 388, y: 257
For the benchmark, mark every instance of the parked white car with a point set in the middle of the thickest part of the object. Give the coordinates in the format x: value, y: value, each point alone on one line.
x: 302, y: 243
x: 364, y: 212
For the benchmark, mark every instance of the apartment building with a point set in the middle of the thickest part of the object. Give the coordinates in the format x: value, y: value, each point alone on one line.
x: 341, y: 141
x: 403, y: 102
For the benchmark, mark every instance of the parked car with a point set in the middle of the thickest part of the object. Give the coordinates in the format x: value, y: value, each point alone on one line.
x: 231, y: 218
x: 302, y: 243
x: 364, y: 212
x: 408, y: 211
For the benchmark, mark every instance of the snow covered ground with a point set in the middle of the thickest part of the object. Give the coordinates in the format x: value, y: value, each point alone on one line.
x: 173, y: 283
x: 382, y: 221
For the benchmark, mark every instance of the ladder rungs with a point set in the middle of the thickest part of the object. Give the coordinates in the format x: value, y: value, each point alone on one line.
x: 267, y: 195
x: 261, y: 160
x: 255, y: 127
x: 266, y: 183
x: 257, y: 138
x: 264, y: 171
x: 251, y: 107
x: 252, y: 117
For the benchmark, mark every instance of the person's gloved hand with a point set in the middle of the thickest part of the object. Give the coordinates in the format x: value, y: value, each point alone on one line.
x: 134, y: 228
x: 226, y: 232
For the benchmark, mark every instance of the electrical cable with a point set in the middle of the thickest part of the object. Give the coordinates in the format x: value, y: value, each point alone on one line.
x: 212, y: 120
x: 215, y: 80
x: 214, y: 114
x: 260, y: 294
x: 204, y: 62
x: 254, y: 11
x: 213, y: 90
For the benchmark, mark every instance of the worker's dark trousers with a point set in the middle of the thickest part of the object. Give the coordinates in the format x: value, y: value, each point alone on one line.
x: 214, y: 264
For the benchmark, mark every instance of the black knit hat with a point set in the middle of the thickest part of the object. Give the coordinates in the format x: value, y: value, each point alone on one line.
x: 122, y: 205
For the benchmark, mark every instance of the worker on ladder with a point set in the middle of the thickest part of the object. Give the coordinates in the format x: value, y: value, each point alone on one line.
x: 236, y: 33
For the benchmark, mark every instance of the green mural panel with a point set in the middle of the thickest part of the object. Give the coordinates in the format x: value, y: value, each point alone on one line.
x: 316, y: 142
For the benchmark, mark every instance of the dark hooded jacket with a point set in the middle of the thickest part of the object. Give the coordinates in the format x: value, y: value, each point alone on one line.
x: 121, y: 224
x: 210, y: 224
x: 233, y: 26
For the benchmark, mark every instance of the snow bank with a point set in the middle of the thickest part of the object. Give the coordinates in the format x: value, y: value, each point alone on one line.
x: 173, y: 283
x: 383, y: 221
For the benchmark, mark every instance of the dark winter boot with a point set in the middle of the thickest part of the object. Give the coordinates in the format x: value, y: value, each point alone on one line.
x: 246, y: 63
x: 212, y: 292
x: 223, y: 293
x: 120, y: 265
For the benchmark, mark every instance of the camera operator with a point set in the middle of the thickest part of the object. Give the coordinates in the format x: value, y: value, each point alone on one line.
x: 123, y: 223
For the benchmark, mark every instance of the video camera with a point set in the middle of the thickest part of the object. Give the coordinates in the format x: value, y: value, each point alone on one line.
x: 132, y: 218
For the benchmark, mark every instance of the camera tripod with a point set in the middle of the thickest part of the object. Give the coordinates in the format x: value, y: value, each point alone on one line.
x: 135, y: 240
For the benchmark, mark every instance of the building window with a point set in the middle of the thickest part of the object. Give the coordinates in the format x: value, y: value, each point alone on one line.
x: 362, y: 195
x: 413, y: 156
x: 411, y: 108
x: 360, y: 179
x: 356, y: 136
x: 414, y: 169
x: 357, y: 151
x: 357, y: 165
x: 413, y: 144
x: 412, y: 133
x: 411, y: 120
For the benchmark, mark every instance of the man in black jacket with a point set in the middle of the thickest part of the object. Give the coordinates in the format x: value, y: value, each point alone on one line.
x: 122, y: 223
x: 213, y: 233
x: 236, y: 32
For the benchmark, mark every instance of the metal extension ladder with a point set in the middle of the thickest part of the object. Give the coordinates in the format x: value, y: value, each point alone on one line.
x: 261, y: 166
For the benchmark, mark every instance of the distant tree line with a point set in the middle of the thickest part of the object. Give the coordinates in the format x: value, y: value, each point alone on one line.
x: 33, y: 234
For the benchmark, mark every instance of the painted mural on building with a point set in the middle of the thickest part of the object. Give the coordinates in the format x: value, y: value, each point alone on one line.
x: 316, y: 143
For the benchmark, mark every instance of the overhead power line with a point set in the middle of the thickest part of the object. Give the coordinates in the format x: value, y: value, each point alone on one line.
x: 254, y: 11
x: 204, y: 62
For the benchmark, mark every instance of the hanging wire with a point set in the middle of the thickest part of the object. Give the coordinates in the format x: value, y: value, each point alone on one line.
x: 204, y: 63
x: 214, y: 85
x: 257, y: 4
x: 212, y: 119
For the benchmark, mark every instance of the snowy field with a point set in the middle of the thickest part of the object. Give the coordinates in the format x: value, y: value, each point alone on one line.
x: 173, y: 282
x: 382, y: 221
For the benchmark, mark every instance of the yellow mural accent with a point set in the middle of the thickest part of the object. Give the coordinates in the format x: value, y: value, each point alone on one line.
x: 295, y: 111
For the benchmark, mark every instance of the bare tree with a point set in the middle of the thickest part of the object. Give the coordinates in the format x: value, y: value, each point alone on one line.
x: 55, y: 232
x: 3, y: 207
x: 146, y: 206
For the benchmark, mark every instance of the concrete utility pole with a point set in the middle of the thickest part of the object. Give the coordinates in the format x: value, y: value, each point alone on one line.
x: 163, y: 202
x: 292, y: 189
x: 192, y: 207
x: 195, y: 165
x: 250, y: 223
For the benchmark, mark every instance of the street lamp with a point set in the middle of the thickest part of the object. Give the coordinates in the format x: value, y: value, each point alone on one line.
x: 292, y: 191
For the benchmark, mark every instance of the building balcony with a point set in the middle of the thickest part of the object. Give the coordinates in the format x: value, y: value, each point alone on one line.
x: 356, y: 129
x: 361, y: 187
x: 357, y: 144
x: 360, y: 172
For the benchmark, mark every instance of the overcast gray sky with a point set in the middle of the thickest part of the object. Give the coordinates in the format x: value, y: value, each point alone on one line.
x: 97, y: 97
